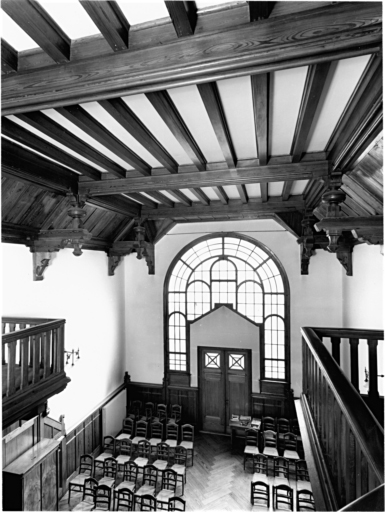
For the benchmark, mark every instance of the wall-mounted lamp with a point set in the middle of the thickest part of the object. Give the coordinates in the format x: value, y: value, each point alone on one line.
x: 72, y: 354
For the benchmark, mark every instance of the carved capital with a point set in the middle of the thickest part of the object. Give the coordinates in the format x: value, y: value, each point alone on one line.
x: 113, y: 262
x: 40, y: 263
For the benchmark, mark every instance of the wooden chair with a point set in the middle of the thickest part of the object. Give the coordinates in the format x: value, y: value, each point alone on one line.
x: 176, y: 413
x: 176, y: 503
x: 270, y: 443
x: 294, y: 427
x: 281, y: 471
x: 260, y: 492
x: 150, y: 477
x: 108, y: 450
x: 127, y: 430
x: 171, y: 435
x: 305, y: 500
x: 180, y: 458
x: 134, y: 410
x: 251, y: 445
x: 161, y: 413
x: 103, y: 497
x: 147, y: 502
x: 125, y: 500
x: 283, y: 427
x: 110, y: 470
x: 148, y: 411
x: 168, y: 488
x: 156, y: 434
x: 140, y: 433
x: 125, y: 453
x: 302, y: 475
x: 260, y: 468
x: 282, y: 497
x: 85, y: 471
x: 162, y: 457
x: 187, y: 439
x: 89, y: 493
x: 268, y: 423
x: 143, y: 454
x: 290, y: 446
x: 130, y: 477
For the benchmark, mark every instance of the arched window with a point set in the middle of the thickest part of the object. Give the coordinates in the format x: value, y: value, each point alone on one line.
x: 237, y: 271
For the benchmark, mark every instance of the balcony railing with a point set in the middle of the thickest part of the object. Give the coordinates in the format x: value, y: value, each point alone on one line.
x: 346, y: 433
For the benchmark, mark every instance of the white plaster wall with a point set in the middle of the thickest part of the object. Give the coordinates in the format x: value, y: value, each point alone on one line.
x: 79, y: 290
x: 316, y: 299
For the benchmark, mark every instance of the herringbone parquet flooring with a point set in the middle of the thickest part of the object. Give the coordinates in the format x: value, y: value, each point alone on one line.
x: 217, y: 480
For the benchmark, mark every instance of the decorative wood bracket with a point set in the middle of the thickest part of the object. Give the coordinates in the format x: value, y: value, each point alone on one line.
x: 309, y: 242
x: 344, y: 254
x: 40, y: 262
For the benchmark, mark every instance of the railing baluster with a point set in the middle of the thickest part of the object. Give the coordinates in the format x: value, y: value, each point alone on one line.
x: 4, y: 326
x: 354, y: 362
x: 336, y: 348
x: 47, y: 353
x: 60, y: 348
x: 11, y: 373
x: 36, y: 358
x: 24, y: 344
x: 373, y: 370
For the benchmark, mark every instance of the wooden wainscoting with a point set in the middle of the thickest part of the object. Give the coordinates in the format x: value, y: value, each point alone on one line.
x: 188, y: 399
x: 268, y: 404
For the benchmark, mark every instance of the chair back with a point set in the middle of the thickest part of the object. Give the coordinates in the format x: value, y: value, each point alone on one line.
x: 176, y: 412
x: 176, y: 503
x: 283, y: 426
x: 301, y: 471
x: 89, y: 489
x: 162, y: 412
x: 150, y: 475
x: 294, y: 427
x: 163, y: 451
x: 128, y: 426
x: 260, y: 464
x: 260, y: 491
x: 125, y: 499
x: 157, y: 430
x: 283, y: 494
x: 148, y: 411
x: 130, y: 471
x: 125, y: 447
x: 180, y: 455
x: 268, y: 423
x: 108, y: 444
x: 187, y: 432
x: 137, y: 404
x: 103, y: 497
x: 147, y: 502
x: 141, y: 428
x: 305, y: 500
x: 290, y: 441
x: 169, y: 480
x: 251, y: 438
x: 110, y: 467
x: 86, y: 464
x: 270, y: 438
x: 172, y: 431
x: 144, y: 448
x: 281, y: 467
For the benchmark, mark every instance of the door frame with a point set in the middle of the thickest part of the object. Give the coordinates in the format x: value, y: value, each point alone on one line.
x: 250, y: 380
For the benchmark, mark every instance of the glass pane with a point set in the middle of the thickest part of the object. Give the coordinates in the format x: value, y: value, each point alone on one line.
x: 212, y: 360
x: 236, y: 362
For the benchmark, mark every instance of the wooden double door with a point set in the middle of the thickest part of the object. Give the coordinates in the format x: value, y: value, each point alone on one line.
x: 224, y: 386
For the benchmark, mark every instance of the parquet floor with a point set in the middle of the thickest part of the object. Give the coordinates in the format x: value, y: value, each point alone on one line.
x: 217, y: 480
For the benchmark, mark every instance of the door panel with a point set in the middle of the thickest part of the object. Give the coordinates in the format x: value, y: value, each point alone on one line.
x: 212, y: 397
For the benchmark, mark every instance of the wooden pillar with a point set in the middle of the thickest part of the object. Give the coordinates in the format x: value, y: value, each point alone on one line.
x: 354, y: 362
x: 336, y: 349
x: 373, y: 386
x: 127, y: 381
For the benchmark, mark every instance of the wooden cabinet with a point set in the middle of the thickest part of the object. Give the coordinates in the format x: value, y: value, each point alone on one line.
x: 31, y: 481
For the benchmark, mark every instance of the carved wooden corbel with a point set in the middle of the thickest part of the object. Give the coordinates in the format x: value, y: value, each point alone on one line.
x: 40, y: 262
x: 113, y: 263
x: 344, y: 254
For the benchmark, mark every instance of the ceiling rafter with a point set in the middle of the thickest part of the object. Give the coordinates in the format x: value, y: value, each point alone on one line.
x: 165, y: 226
x: 260, y: 10
x: 142, y: 199
x: 183, y: 16
x: 39, y: 25
x: 323, y: 34
x: 220, y: 192
x: 111, y: 22
x: 19, y: 134
x: 124, y: 230
x: 83, y: 120
x: 239, y: 176
x: 165, y: 107
x: 161, y: 198
x: 199, y: 194
x: 243, y: 193
x: 9, y: 58
x: 260, y: 85
x: 53, y: 130
x: 264, y: 191
x: 177, y: 194
x: 121, y: 112
x: 116, y: 204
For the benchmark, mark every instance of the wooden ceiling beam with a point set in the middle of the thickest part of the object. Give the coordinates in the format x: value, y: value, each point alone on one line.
x: 260, y: 87
x: 199, y: 194
x: 264, y: 191
x: 233, y: 208
x: 165, y: 107
x: 183, y: 16
x: 260, y: 10
x: 21, y: 164
x: 38, y: 24
x: 161, y: 198
x: 164, y: 228
x: 177, y: 194
x: 27, y: 138
x: 125, y: 230
x: 220, y: 192
x: 53, y: 130
x: 122, y: 114
x: 212, y: 101
x: 243, y: 193
x: 142, y: 199
x: 9, y: 58
x: 83, y: 120
x: 317, y: 35
x: 116, y: 204
x: 239, y: 176
x: 110, y: 20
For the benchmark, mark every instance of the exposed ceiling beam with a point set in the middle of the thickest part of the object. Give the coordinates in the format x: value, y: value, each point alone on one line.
x: 142, y: 199
x: 19, y: 134
x: 220, y: 192
x: 260, y: 85
x: 242, y: 193
x: 161, y: 198
x: 24, y: 165
x: 183, y: 16
x: 53, y: 130
x: 150, y: 230
x: 177, y: 194
x: 121, y: 112
x: 125, y: 230
x: 317, y: 35
x: 260, y: 10
x: 83, y: 120
x: 116, y: 204
x: 165, y: 107
x: 291, y: 221
x: 164, y: 228
x: 212, y: 101
x: 198, y: 193
x: 9, y: 58
x: 348, y: 223
x: 110, y: 20
x: 239, y: 176
x: 264, y: 191
x: 38, y: 24
x: 233, y: 209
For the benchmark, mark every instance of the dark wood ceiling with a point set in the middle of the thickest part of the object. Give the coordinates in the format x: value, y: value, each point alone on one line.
x: 128, y: 173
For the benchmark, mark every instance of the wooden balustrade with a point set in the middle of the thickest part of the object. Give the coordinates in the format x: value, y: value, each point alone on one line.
x: 31, y: 354
x: 349, y: 436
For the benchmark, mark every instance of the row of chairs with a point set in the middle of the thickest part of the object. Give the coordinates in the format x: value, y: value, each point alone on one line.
x: 280, y: 425
x: 155, y: 412
x: 98, y: 496
x: 280, y: 471
x: 267, y: 442
x: 283, y: 496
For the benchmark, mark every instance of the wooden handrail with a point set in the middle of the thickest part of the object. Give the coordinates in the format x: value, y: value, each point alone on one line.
x: 31, y: 331
x: 373, y: 500
x: 367, y: 334
x: 25, y: 320
x: 366, y: 428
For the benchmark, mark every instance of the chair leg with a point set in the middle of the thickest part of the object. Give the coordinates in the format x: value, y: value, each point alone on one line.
x: 69, y: 492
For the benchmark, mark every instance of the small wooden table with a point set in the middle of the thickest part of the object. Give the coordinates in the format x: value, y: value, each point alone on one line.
x: 237, y: 427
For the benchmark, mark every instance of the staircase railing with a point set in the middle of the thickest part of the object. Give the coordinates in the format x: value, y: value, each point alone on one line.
x: 32, y: 351
x: 348, y: 435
